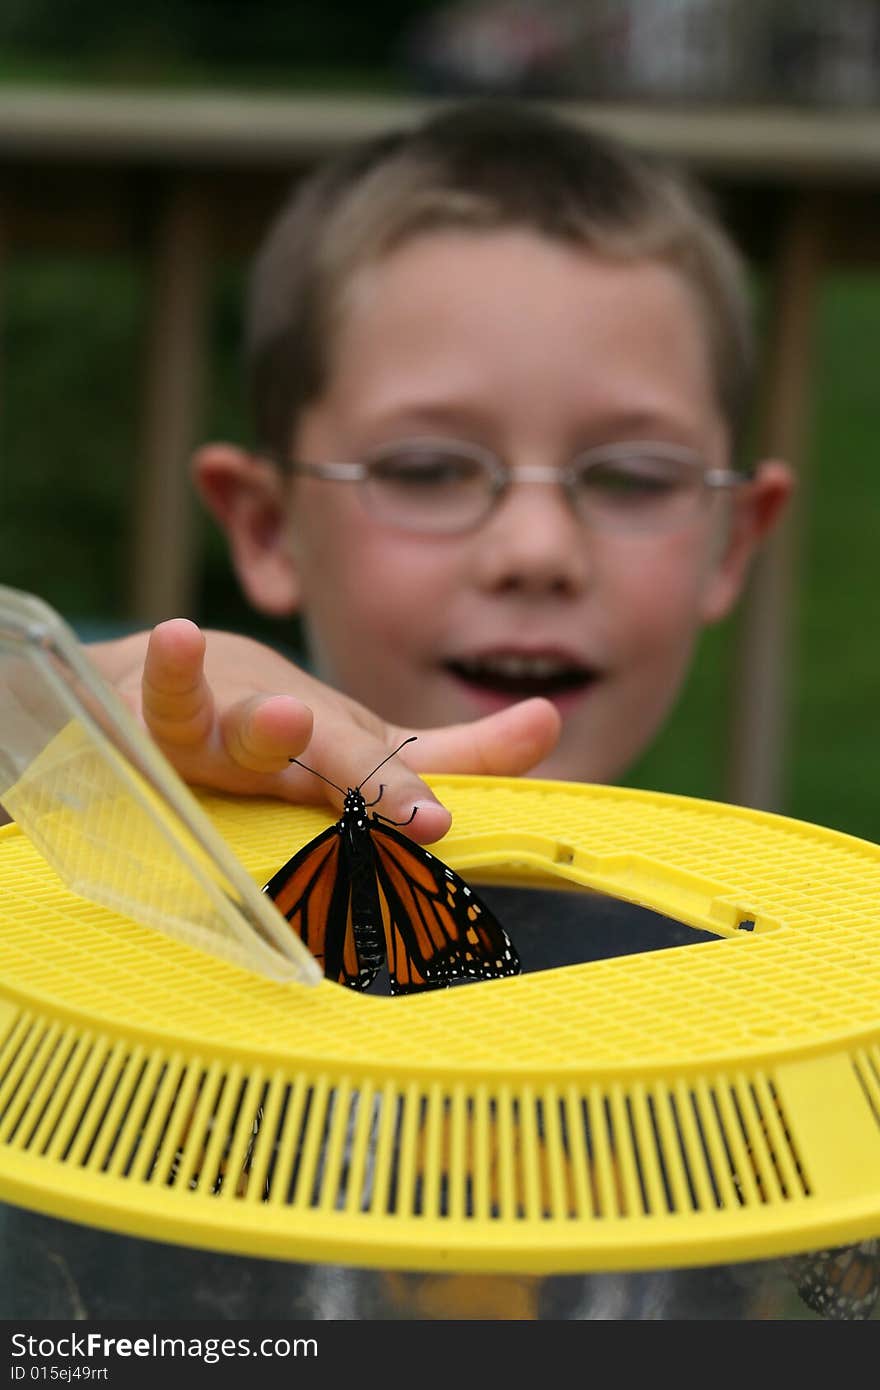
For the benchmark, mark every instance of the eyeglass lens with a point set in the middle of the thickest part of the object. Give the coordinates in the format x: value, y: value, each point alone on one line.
x: 440, y: 488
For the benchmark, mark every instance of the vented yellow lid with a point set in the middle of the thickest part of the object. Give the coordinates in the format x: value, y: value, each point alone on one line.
x: 713, y: 1102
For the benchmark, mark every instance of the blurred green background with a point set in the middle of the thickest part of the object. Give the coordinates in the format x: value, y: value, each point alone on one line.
x: 72, y: 345
x: 834, y: 761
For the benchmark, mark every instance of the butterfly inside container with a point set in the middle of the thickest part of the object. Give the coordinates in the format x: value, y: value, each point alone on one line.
x: 841, y: 1283
x: 361, y: 895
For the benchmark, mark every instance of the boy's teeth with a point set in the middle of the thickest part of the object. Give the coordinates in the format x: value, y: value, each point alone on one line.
x: 514, y: 667
x: 518, y: 673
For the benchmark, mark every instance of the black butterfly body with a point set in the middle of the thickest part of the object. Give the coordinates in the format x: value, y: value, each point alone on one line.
x: 361, y: 893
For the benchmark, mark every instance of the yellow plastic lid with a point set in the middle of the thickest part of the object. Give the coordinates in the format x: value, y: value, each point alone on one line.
x: 713, y: 1102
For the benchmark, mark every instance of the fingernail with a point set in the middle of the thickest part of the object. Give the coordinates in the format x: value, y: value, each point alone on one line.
x: 434, y: 812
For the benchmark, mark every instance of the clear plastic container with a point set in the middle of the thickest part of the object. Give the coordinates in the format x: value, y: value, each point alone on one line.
x: 109, y: 813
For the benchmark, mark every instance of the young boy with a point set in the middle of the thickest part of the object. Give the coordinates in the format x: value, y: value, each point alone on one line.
x: 499, y: 372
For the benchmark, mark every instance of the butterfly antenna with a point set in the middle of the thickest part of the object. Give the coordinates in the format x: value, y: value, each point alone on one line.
x: 319, y: 774
x: 411, y: 739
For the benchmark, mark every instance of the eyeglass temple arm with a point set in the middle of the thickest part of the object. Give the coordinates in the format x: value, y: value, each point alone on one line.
x: 724, y: 477
x: 334, y: 472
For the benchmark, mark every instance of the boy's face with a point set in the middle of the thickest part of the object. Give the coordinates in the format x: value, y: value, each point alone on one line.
x: 535, y: 351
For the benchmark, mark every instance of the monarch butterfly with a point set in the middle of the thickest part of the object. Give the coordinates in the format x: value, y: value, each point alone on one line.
x: 840, y: 1283
x: 361, y: 893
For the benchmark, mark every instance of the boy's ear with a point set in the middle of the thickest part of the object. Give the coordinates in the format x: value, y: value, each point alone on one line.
x: 755, y: 512
x: 246, y: 496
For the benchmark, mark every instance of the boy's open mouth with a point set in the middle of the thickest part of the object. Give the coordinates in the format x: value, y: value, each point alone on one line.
x: 520, y: 676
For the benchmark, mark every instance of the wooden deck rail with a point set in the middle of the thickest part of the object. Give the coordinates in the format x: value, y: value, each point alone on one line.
x: 197, y: 176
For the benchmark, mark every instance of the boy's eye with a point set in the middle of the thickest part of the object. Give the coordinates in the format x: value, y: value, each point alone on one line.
x: 422, y: 469
x: 428, y: 487
x: 635, y: 482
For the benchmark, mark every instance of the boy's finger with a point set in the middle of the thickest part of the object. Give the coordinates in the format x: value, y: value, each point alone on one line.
x: 263, y: 733
x: 176, y: 701
x: 505, y: 744
x: 347, y: 755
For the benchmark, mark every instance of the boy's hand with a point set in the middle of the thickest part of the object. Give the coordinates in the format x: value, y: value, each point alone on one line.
x: 229, y: 713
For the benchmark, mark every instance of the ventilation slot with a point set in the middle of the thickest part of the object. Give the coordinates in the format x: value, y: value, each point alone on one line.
x: 54, y: 1089
x: 762, y: 1165
x: 603, y: 1155
x: 499, y: 1154
x: 866, y: 1062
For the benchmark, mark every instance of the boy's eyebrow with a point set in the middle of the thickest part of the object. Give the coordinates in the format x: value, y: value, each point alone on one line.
x: 643, y: 424
x: 405, y: 418
x: 477, y: 420
x: 439, y: 406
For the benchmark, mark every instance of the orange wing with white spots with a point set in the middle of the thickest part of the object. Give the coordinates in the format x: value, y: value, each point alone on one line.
x: 437, y: 932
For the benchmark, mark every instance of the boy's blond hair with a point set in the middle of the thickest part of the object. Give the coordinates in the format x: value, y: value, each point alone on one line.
x: 480, y: 167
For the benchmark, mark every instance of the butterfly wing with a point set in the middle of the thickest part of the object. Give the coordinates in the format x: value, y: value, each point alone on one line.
x: 314, y: 891
x: 842, y: 1283
x: 437, y: 932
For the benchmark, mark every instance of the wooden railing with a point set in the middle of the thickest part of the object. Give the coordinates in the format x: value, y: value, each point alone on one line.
x: 198, y: 176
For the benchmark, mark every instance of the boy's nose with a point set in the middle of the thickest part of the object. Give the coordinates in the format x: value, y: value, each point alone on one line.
x: 534, y: 543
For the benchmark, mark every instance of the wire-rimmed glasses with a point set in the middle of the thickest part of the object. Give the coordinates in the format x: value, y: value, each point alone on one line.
x: 443, y: 486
